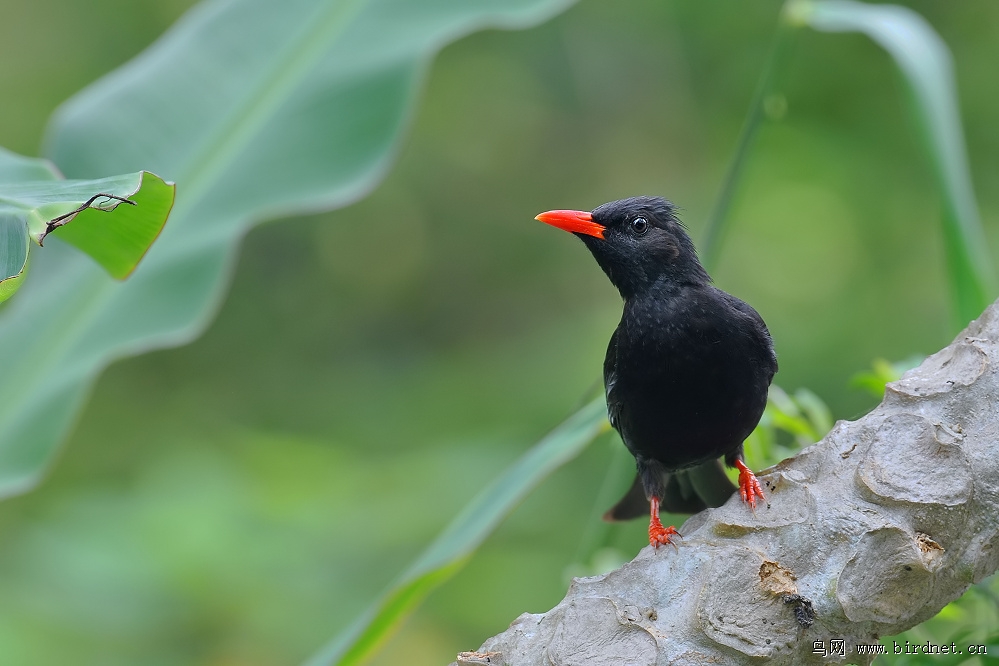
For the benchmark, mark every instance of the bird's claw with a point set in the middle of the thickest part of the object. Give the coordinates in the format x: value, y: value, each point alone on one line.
x: 749, y: 486
x: 660, y: 536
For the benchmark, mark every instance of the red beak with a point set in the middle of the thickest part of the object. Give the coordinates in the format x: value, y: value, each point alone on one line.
x: 576, y: 221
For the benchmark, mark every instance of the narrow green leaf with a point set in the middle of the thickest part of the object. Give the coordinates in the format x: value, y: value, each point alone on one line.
x: 366, y: 636
x: 926, y: 65
x: 452, y: 547
x: 259, y: 109
x: 714, y: 231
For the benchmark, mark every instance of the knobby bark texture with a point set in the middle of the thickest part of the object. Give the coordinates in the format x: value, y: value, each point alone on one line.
x: 867, y: 533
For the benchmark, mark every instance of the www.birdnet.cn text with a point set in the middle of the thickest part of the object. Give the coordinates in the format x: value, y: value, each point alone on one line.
x: 837, y: 647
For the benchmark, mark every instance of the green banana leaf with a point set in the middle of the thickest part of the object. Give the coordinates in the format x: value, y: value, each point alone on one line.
x: 257, y: 109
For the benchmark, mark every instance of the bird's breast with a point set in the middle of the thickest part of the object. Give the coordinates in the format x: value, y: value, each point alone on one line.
x: 688, y: 385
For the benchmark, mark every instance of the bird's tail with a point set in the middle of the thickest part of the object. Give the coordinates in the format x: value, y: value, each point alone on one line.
x: 687, y: 491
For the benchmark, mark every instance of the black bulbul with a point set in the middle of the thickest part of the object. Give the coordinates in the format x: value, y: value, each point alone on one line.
x: 687, y: 369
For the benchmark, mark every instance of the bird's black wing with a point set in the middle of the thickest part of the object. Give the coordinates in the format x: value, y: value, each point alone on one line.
x: 759, y: 326
x: 618, y: 413
x: 610, y: 381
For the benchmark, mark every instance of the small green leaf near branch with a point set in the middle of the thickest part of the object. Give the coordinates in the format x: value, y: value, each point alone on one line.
x: 35, y: 201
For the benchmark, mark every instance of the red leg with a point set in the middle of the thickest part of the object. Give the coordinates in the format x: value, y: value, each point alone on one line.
x: 659, y: 535
x: 749, y: 487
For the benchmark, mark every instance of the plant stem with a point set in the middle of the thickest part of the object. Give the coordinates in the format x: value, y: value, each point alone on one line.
x: 716, y: 226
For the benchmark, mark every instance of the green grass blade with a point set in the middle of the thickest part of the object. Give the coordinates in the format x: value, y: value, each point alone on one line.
x: 926, y: 65
x: 368, y: 633
x: 714, y: 231
x: 452, y: 547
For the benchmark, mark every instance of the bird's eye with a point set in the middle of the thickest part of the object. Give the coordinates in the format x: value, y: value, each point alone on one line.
x: 639, y: 225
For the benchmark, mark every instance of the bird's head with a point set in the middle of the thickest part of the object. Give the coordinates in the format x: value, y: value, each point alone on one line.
x: 638, y: 242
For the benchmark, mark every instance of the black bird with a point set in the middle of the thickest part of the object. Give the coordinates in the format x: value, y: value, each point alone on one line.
x: 687, y: 369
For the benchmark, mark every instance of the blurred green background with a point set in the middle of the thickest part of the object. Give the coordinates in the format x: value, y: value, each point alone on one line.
x: 239, y: 500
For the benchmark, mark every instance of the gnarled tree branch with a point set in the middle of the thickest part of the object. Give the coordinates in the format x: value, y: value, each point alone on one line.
x: 868, y: 532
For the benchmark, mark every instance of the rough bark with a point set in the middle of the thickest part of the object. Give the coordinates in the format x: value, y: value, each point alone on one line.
x: 868, y: 532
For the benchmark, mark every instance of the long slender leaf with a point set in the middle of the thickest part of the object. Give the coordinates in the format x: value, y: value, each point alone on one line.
x: 926, y: 64
x: 257, y: 109
x: 452, y: 547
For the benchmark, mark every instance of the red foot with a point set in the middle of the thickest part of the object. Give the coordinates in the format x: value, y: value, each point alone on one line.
x: 749, y: 487
x: 659, y: 535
